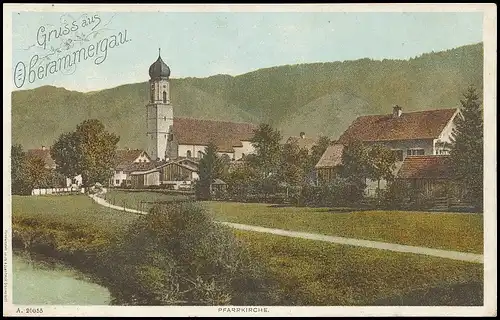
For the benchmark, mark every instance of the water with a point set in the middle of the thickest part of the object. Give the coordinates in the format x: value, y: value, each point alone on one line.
x: 39, y: 283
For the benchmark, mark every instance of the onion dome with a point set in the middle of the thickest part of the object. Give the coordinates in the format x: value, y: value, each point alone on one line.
x: 159, y: 69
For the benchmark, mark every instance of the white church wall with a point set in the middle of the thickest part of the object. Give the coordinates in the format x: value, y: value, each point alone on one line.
x: 184, y: 148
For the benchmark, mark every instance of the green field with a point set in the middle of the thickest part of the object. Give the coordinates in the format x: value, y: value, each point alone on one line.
x: 308, y: 272
x: 460, y: 232
x: 318, y: 273
x: 78, y: 210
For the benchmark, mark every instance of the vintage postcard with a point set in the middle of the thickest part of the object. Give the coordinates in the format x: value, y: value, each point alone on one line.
x: 249, y: 160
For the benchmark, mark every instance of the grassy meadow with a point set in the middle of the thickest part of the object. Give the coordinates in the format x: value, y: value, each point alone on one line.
x: 460, y: 232
x: 73, y: 211
x: 449, y: 231
x: 308, y: 272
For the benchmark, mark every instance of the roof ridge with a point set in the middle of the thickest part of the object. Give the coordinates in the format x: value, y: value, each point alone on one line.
x: 410, y: 112
x: 221, y: 121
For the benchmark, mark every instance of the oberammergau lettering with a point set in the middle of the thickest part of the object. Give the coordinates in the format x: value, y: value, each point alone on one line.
x: 38, y: 71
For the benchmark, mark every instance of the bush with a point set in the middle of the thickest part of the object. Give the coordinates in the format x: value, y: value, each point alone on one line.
x: 177, y: 255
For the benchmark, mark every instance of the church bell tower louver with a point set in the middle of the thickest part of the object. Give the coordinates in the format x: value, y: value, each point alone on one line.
x: 159, y: 111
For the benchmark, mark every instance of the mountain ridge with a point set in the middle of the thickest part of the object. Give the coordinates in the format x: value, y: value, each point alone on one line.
x: 318, y: 98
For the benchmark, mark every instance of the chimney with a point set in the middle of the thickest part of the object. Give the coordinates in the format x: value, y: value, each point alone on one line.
x: 43, y: 148
x: 396, y: 111
x: 302, y: 135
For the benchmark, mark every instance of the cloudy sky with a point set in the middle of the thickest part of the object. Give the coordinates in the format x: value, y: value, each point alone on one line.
x: 203, y: 44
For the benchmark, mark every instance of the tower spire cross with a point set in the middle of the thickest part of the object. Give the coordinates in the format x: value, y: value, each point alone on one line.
x: 159, y: 52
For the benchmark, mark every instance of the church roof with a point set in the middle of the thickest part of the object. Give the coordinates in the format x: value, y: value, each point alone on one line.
x: 412, y: 125
x: 159, y: 69
x: 225, y: 135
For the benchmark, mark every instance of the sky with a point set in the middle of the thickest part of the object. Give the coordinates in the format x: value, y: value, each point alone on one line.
x: 196, y: 44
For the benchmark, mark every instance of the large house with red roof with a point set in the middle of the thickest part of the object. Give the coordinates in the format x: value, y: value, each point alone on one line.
x: 422, y: 133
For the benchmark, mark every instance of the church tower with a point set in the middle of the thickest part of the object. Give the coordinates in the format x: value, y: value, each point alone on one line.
x: 159, y: 111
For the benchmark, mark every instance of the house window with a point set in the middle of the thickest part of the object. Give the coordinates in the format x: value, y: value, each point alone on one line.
x: 164, y: 97
x: 117, y: 181
x: 200, y: 154
x: 415, y: 152
x: 398, y: 154
x: 188, y: 153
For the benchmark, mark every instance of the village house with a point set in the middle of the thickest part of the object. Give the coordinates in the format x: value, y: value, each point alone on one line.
x: 406, y: 134
x: 173, y: 174
x: 127, y: 161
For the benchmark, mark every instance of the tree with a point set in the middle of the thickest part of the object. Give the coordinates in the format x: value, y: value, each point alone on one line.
x: 27, y: 171
x: 382, y: 162
x: 18, y: 156
x: 355, y: 168
x: 291, y: 171
x: 466, y: 154
x: 242, y: 181
x: 35, y: 172
x: 210, y: 168
x: 89, y: 151
x: 266, y: 142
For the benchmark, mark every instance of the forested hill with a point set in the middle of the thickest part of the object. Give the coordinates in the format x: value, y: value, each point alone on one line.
x: 318, y: 98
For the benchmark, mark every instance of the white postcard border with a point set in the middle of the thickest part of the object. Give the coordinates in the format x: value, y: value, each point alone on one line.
x: 490, y: 229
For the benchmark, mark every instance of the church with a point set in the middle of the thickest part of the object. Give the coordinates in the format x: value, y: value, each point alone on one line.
x: 175, y: 145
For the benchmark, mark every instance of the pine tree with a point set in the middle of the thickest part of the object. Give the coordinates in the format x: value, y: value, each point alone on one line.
x: 466, y: 155
x: 210, y: 168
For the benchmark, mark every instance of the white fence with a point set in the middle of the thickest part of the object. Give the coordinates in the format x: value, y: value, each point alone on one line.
x: 38, y: 192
